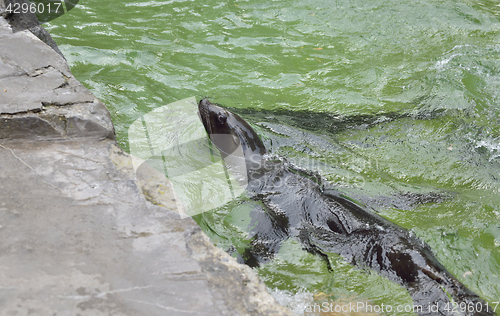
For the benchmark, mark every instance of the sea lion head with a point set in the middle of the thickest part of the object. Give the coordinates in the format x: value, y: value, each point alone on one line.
x: 228, y: 131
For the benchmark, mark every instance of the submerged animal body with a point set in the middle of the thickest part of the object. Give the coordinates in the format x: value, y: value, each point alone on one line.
x: 297, y: 205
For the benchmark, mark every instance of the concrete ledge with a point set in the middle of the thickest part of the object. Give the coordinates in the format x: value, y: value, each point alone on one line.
x: 39, y: 97
x: 81, y: 232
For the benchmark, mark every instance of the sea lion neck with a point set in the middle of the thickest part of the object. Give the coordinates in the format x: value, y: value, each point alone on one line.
x: 228, y: 131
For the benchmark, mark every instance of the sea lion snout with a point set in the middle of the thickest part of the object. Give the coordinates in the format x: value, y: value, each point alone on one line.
x: 203, y: 108
x: 219, y: 121
x: 204, y: 103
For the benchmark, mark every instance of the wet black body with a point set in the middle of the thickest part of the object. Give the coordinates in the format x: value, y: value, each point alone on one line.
x: 298, y: 205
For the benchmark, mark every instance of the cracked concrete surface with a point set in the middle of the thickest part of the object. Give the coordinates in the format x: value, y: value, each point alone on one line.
x: 79, y: 238
x: 81, y: 232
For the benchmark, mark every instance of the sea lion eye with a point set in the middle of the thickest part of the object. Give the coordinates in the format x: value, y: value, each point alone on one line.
x: 222, y: 118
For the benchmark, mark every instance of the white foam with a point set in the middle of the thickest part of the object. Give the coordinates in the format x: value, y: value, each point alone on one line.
x: 492, y: 144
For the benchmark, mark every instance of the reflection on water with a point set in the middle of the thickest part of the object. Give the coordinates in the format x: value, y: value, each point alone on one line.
x: 410, y: 88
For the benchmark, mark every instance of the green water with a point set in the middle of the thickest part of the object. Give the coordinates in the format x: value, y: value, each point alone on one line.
x: 383, y: 97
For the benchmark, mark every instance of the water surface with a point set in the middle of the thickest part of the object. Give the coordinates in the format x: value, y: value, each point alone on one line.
x: 382, y: 97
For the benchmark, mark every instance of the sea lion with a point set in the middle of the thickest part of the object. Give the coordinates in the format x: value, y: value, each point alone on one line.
x: 298, y: 204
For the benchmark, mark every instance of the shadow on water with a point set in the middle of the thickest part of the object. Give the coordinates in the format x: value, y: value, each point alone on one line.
x: 328, y: 122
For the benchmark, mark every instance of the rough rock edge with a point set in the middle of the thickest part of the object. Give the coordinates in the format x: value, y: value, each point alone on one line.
x: 57, y: 119
x: 56, y: 123
x: 29, y: 21
x: 234, y: 285
x: 220, y: 267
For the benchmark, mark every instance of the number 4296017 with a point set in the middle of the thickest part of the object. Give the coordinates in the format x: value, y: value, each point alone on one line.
x: 33, y: 7
x: 470, y: 307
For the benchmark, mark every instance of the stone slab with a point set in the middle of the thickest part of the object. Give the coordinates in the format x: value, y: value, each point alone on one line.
x: 39, y: 97
x: 21, y: 21
x: 78, y: 238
